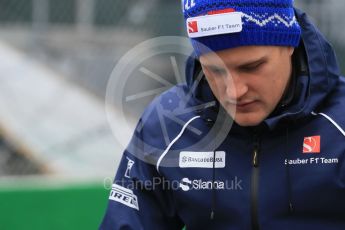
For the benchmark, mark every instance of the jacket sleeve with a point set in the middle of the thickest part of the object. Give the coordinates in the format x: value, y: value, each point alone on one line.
x: 139, y: 198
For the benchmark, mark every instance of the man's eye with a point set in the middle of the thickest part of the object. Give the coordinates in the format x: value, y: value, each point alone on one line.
x: 252, y: 67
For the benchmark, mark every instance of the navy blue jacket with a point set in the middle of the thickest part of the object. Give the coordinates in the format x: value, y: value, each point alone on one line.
x: 185, y: 167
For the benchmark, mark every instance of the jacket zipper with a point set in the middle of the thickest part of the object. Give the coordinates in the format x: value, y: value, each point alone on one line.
x: 255, y: 185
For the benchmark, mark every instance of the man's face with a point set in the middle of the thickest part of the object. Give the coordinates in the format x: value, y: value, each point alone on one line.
x: 249, y: 81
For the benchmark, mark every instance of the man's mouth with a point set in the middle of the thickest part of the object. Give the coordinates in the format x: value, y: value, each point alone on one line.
x: 244, y: 104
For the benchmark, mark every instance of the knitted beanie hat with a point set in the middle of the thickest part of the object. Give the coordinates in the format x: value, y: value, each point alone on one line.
x: 222, y: 24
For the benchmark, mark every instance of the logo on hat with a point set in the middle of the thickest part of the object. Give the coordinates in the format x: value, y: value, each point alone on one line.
x: 311, y: 144
x: 193, y: 27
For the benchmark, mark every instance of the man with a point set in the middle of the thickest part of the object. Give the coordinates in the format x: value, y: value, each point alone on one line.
x: 276, y: 76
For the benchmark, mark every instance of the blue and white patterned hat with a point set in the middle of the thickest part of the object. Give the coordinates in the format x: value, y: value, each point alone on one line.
x: 224, y: 24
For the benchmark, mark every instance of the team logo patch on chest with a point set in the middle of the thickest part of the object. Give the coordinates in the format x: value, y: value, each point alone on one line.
x: 311, y: 154
x: 311, y: 144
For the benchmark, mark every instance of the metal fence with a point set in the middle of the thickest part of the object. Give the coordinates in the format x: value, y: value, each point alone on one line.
x: 157, y: 16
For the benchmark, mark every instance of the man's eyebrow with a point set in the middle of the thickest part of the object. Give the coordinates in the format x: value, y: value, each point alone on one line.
x: 252, y: 62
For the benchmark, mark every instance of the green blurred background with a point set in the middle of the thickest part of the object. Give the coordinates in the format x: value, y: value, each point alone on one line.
x: 40, y: 206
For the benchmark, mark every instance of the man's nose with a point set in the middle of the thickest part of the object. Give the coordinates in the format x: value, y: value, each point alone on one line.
x: 235, y: 87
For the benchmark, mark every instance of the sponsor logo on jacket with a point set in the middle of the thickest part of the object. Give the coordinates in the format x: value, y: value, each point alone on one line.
x: 198, y: 184
x: 130, y: 164
x: 124, y: 196
x: 202, y: 159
